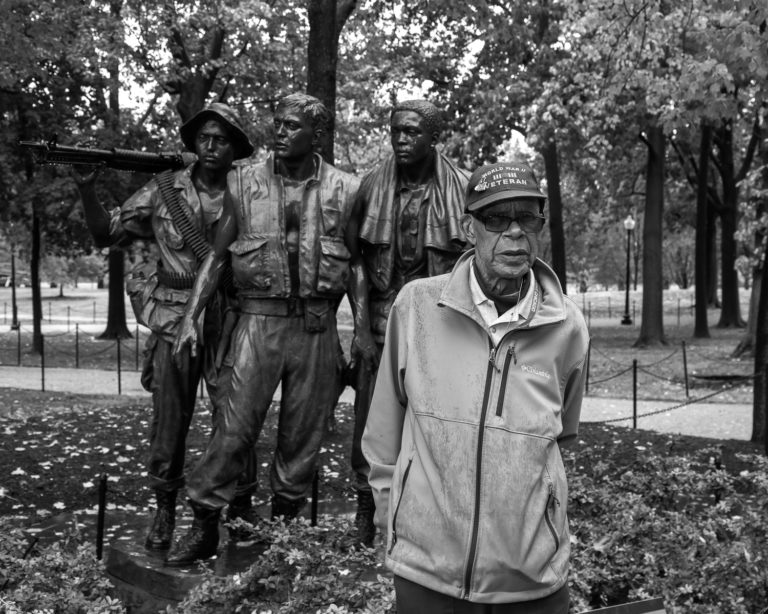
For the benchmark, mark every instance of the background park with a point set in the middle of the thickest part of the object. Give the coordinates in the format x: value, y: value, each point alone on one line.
x: 646, y: 121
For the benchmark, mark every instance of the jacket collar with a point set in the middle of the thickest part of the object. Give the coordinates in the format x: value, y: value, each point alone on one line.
x: 548, y: 303
x: 314, y: 178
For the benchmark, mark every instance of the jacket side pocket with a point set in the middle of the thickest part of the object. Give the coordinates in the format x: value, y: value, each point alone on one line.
x: 549, y: 513
x: 397, y: 507
x: 333, y: 267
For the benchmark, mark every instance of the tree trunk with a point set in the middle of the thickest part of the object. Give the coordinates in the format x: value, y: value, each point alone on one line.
x: 701, y: 326
x: 760, y: 405
x: 730, y: 315
x: 322, y: 56
x: 746, y: 346
x: 116, y: 324
x: 652, y: 327
x: 712, y: 277
x: 117, y: 327
x: 326, y: 20
x: 556, y: 232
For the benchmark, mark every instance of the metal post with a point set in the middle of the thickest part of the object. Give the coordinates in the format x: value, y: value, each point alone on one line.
x: 589, y: 359
x: 137, y: 347
x: 100, y: 517
x: 315, y: 490
x: 685, y: 371
x: 42, y: 362
x: 18, y: 346
x: 14, y: 306
x: 119, y: 382
x: 634, y: 393
x: 77, y: 346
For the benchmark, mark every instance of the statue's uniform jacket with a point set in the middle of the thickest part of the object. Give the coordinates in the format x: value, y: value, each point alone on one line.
x: 462, y: 439
x: 442, y: 238
x: 145, y: 215
x: 281, y: 336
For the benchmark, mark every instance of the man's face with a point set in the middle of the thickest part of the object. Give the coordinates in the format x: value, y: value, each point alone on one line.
x: 411, y: 142
x: 510, y: 253
x: 295, y: 136
x: 213, y: 146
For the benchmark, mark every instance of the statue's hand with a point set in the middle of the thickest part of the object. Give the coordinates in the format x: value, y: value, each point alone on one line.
x: 85, y: 175
x: 364, y: 350
x: 186, y: 337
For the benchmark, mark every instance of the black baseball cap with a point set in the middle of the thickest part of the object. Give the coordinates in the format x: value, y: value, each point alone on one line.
x: 501, y: 181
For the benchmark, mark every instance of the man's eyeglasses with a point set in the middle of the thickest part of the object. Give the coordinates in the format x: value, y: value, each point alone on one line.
x: 528, y: 222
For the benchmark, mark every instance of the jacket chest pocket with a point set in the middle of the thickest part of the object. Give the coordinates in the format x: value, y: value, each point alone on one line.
x: 333, y: 266
x: 166, y: 232
x: 250, y: 262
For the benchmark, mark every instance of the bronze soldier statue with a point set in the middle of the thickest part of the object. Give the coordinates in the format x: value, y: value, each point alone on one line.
x: 291, y: 228
x: 412, y: 204
x: 179, y: 212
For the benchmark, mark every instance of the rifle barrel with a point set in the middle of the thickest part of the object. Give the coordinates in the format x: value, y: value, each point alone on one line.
x: 119, y: 159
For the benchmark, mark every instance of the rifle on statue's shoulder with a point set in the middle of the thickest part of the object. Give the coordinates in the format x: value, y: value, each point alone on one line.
x: 50, y: 152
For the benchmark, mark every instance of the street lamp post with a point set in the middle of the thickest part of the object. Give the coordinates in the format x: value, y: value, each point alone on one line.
x: 629, y: 225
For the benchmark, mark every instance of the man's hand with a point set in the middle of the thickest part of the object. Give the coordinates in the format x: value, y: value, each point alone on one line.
x: 364, y: 350
x: 187, y: 336
x: 85, y: 175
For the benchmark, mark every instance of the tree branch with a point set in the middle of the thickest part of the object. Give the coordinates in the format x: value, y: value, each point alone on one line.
x: 754, y: 140
x: 344, y: 9
x: 684, y: 164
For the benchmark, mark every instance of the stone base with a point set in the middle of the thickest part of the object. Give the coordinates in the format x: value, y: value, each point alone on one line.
x: 146, y: 585
x: 142, y: 581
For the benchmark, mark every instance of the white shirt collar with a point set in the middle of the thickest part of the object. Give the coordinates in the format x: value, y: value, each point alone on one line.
x: 487, y: 308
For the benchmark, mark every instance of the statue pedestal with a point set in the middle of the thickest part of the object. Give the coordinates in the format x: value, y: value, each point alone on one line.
x: 143, y: 582
x: 146, y: 585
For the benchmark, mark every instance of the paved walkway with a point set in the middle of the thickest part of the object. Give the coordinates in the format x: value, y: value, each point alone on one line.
x: 716, y: 420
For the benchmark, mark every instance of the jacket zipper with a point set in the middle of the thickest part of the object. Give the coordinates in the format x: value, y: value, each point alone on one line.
x: 552, y: 500
x: 397, y: 508
x: 510, y: 357
x: 478, y: 474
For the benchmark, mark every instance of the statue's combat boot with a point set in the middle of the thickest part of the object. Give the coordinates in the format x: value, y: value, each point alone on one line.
x: 200, y: 541
x: 161, y: 533
x: 242, y: 507
x: 364, y: 527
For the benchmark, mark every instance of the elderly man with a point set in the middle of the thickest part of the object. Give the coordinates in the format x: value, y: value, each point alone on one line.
x: 159, y: 290
x: 412, y: 207
x: 290, y: 228
x: 480, y: 384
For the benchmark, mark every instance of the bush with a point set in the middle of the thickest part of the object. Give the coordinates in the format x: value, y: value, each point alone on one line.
x: 677, y: 527
x: 303, y: 569
x: 63, y: 577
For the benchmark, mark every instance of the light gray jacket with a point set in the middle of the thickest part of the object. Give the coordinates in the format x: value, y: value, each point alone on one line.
x: 462, y: 439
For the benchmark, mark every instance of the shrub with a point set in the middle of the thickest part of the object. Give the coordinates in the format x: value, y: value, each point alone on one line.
x: 677, y: 527
x: 302, y: 569
x: 63, y: 577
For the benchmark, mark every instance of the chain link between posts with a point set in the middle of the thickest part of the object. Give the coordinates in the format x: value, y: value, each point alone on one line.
x: 691, y: 401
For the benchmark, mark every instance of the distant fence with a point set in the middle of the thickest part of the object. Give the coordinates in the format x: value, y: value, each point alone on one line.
x: 77, y: 350
x: 604, y: 307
